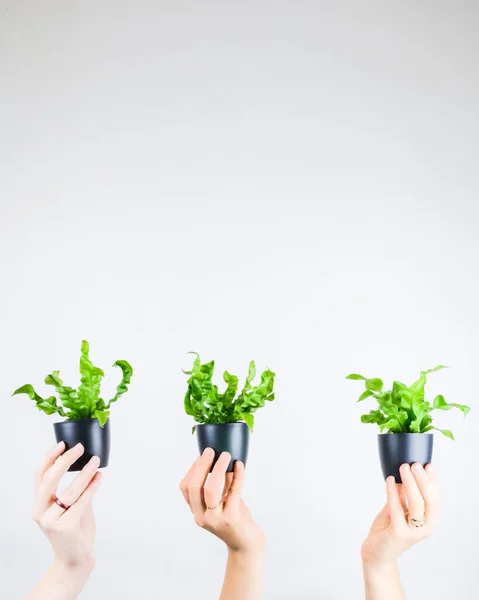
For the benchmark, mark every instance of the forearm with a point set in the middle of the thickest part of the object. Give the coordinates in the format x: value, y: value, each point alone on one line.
x: 383, y: 582
x: 61, y: 582
x: 244, y: 577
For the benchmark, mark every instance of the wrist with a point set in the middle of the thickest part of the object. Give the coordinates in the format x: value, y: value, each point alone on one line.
x: 77, y: 569
x: 246, y: 555
x: 380, y: 571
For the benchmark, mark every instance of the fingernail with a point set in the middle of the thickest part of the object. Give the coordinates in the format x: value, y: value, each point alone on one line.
x: 94, y: 459
x: 78, y: 447
x: 208, y: 452
x: 417, y: 467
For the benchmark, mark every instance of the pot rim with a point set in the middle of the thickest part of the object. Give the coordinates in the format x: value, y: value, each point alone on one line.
x: 427, y: 434
x: 221, y: 424
x: 70, y: 422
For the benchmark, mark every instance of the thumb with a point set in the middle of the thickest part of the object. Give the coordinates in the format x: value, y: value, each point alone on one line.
x: 381, y: 521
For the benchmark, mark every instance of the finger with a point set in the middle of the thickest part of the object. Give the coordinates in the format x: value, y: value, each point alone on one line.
x: 214, y: 485
x: 396, y: 511
x: 84, y: 502
x: 432, y: 473
x: 45, y: 492
x: 428, y: 485
x: 186, y: 479
x: 197, y: 482
x: 402, y: 496
x: 48, y: 460
x: 382, y: 520
x: 51, y: 477
x: 76, y: 488
x: 228, y: 482
x: 236, y: 489
x: 415, y: 501
x: 72, y: 493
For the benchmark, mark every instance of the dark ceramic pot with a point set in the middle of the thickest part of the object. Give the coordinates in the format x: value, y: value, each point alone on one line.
x: 395, y: 449
x: 95, y: 440
x: 225, y: 437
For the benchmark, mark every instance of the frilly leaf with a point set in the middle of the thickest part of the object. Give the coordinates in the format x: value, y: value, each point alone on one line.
x: 122, y: 388
x: 47, y: 405
x: 91, y: 376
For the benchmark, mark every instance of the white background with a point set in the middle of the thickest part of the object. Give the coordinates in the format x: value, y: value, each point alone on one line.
x: 294, y: 182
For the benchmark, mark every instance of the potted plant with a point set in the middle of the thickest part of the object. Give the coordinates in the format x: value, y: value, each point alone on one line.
x: 86, y: 414
x: 225, y: 420
x: 404, y: 418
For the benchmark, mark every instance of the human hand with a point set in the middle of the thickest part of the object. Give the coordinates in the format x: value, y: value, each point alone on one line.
x: 71, y: 528
x: 393, y: 531
x: 216, y: 503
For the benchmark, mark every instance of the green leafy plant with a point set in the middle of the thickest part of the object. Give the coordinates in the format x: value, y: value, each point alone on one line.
x: 205, y: 404
x: 404, y: 409
x: 84, y: 403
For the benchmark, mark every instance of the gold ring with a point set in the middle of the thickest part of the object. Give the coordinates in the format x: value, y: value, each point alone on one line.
x: 417, y: 522
x: 222, y: 501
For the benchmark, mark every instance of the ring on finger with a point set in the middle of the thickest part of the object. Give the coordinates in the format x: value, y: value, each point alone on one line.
x: 215, y: 507
x: 417, y: 522
x: 60, y: 503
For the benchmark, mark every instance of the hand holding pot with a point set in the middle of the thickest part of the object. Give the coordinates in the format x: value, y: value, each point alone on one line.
x: 409, y: 516
x: 67, y: 521
x: 216, y: 502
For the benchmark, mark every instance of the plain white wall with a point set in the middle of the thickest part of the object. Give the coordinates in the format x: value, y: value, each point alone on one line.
x: 294, y: 182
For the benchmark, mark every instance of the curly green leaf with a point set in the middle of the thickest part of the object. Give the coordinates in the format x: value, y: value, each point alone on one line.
x: 248, y: 386
x: 102, y: 416
x: 440, y: 403
x: 47, y: 405
x: 122, y: 388
x: 231, y: 390
x: 438, y: 368
x: 205, y: 404
x: 364, y: 395
x: 374, y: 385
x: 356, y: 377
x: 91, y: 376
x: 405, y: 409
x: 248, y: 418
x: 68, y: 396
x: 445, y: 432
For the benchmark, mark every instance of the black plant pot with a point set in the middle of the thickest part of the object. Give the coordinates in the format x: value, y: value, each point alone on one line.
x: 396, y: 449
x: 95, y: 440
x: 225, y: 437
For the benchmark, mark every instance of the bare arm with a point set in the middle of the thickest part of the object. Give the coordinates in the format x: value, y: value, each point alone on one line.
x: 244, y: 577
x: 61, y: 582
x: 383, y: 583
